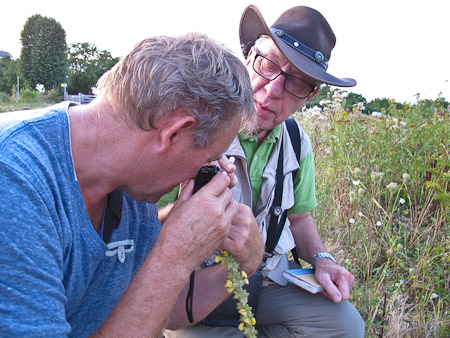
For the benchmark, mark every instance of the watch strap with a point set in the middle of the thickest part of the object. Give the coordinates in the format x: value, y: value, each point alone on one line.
x: 320, y: 255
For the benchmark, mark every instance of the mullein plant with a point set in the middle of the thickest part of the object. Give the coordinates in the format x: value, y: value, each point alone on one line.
x: 235, y: 283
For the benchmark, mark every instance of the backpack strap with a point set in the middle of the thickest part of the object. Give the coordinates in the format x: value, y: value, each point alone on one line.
x: 113, y: 213
x: 294, y: 135
x: 275, y: 226
x: 278, y: 217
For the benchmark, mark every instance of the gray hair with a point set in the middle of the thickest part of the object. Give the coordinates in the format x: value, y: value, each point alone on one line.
x: 192, y: 71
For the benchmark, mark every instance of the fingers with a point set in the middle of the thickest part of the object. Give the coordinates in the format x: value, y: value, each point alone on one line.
x: 330, y: 289
x: 227, y: 165
x: 336, y: 281
x: 244, y: 240
x: 186, y: 190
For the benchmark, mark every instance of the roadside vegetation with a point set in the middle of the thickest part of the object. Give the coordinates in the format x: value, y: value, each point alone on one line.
x: 383, y: 187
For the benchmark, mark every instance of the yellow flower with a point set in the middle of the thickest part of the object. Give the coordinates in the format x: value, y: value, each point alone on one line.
x: 248, y: 321
x: 217, y: 259
x: 225, y: 253
x: 243, y: 312
x: 228, y: 284
x: 230, y: 289
x: 253, y: 321
x: 243, y: 274
x: 241, y: 326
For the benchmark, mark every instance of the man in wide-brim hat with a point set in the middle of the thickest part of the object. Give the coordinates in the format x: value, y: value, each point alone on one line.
x: 287, y: 63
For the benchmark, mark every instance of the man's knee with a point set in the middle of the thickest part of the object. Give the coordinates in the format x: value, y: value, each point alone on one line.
x: 348, y: 321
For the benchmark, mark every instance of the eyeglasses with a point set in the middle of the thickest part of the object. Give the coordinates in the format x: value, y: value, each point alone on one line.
x: 292, y: 84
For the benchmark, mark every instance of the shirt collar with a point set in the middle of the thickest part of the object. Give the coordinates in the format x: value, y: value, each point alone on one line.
x: 273, y: 136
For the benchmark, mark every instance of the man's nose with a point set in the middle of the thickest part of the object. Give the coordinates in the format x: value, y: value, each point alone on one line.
x: 275, y: 88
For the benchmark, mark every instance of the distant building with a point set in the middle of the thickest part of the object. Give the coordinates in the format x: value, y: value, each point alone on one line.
x: 5, y: 54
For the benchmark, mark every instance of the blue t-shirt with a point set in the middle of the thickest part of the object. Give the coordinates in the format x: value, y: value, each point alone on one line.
x: 57, y: 276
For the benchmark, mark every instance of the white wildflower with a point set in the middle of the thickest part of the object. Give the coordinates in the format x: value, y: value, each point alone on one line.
x: 351, y: 221
x: 376, y: 176
x: 406, y: 177
x: 434, y: 295
x: 402, y: 201
x: 379, y: 223
x: 392, y: 186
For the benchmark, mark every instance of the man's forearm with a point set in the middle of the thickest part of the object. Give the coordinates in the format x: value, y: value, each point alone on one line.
x: 209, y: 292
x: 150, y: 298
x: 306, y: 236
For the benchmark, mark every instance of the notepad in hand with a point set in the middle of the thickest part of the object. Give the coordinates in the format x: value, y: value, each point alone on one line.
x: 303, y: 278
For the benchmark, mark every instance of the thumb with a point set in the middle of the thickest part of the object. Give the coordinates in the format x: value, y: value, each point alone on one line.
x: 330, y: 289
x: 186, y: 190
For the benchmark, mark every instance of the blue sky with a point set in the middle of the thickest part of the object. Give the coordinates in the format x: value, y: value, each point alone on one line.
x: 394, y: 48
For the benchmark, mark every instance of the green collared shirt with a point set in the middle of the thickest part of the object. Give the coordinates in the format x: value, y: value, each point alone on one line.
x: 257, y: 158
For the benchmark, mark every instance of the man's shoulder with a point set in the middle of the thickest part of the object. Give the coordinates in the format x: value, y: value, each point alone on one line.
x: 13, y: 122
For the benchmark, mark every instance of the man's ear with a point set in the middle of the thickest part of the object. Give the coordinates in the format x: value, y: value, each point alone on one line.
x: 313, y: 93
x: 175, y: 129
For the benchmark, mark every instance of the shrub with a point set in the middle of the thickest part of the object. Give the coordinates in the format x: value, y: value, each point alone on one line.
x: 27, y: 94
x: 4, y: 97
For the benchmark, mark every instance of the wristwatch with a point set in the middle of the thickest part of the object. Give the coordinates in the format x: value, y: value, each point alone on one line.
x: 322, y: 255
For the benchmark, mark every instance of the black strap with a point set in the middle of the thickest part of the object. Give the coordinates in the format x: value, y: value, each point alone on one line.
x: 274, y: 231
x: 294, y: 135
x: 190, y: 298
x: 278, y: 217
x: 113, y: 213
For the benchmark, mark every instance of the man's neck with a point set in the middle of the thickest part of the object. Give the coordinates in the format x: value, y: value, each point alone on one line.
x: 95, y: 141
x: 262, y: 135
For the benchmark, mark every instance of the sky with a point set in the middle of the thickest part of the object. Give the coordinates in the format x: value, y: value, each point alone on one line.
x: 393, y: 48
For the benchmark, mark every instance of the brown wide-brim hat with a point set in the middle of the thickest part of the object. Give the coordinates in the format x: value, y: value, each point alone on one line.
x: 302, y: 34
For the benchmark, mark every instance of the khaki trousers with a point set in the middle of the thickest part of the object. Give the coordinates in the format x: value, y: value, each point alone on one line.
x: 289, y: 311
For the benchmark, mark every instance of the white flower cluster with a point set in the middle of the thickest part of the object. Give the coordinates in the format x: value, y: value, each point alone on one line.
x: 313, y: 113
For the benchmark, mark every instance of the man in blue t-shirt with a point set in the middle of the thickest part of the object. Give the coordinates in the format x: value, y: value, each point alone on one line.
x: 153, y: 125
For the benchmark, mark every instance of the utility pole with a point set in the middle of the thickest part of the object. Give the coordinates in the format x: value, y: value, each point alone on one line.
x: 17, y: 90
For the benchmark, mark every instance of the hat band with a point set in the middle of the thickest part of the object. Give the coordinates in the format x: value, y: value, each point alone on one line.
x: 316, y: 56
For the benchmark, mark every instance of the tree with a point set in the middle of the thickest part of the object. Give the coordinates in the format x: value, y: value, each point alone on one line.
x: 353, y: 99
x: 86, y: 65
x: 44, y: 52
x: 8, y: 74
x: 378, y: 104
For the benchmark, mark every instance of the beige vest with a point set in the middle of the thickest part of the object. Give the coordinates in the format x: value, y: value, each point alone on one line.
x: 275, y: 265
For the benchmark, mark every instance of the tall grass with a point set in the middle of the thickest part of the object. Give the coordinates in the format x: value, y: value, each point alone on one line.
x: 28, y: 99
x: 383, y: 187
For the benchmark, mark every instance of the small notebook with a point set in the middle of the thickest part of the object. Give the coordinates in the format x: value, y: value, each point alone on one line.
x: 303, y: 278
